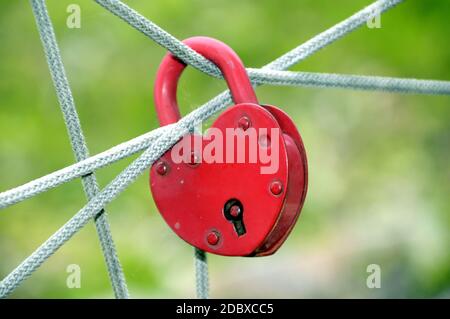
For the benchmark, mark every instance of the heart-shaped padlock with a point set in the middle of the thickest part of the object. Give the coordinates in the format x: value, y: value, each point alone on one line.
x: 222, y: 195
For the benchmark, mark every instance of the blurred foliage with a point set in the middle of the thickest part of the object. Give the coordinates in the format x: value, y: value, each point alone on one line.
x: 379, y: 163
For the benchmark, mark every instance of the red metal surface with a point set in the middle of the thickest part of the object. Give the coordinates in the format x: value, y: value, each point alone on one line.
x: 192, y: 199
x: 192, y: 196
x: 213, y: 238
x: 276, y: 188
x: 297, y: 184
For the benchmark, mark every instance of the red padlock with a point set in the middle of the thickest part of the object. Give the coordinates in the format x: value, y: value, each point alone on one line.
x: 228, y: 207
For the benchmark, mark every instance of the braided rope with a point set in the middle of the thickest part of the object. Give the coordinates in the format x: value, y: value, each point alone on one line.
x: 350, y: 81
x: 78, y: 169
x: 78, y: 142
x: 201, y: 273
x: 131, y: 147
x: 268, y: 75
x: 191, y: 57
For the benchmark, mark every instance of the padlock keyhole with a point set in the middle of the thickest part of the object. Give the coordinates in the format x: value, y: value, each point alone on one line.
x: 234, y: 213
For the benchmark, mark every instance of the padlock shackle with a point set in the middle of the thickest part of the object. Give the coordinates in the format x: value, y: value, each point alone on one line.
x: 171, y: 68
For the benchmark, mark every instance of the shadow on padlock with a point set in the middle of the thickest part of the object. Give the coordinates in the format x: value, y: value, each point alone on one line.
x: 229, y: 207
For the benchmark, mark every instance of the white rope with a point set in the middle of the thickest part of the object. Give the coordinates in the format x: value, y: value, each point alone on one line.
x: 191, y: 57
x: 266, y: 75
x: 77, y: 140
x: 78, y: 169
x: 201, y: 273
x: 126, y: 149
x: 350, y: 81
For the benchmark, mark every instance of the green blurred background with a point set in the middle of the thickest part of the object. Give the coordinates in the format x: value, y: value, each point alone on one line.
x: 379, y: 162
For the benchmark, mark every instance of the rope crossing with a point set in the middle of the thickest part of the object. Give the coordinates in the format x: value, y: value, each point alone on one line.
x: 155, y: 143
x: 78, y: 142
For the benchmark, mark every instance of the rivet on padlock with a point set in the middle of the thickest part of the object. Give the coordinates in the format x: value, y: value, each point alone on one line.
x: 227, y: 208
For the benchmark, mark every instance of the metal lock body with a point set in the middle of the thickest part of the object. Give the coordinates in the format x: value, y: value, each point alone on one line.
x: 222, y: 207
